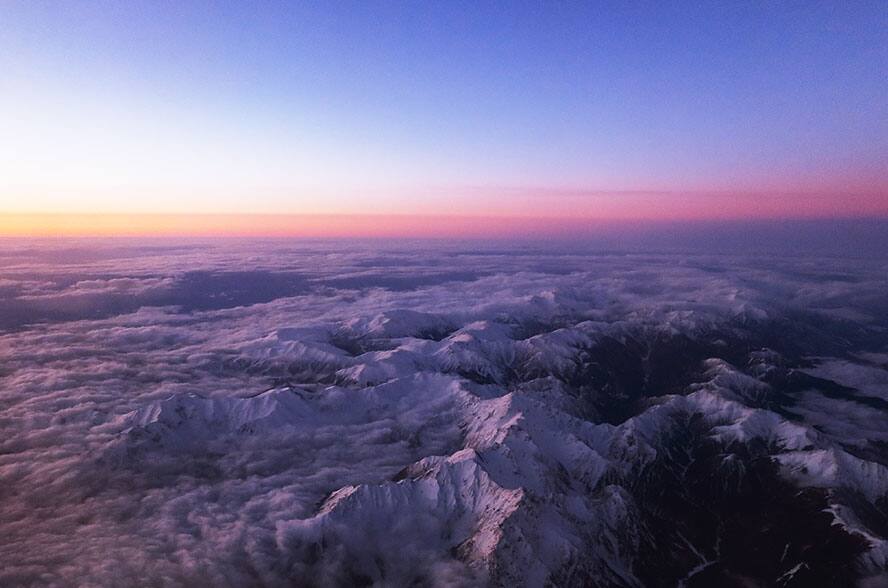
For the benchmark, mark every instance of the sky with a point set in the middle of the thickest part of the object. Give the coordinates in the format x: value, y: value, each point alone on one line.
x: 599, y: 111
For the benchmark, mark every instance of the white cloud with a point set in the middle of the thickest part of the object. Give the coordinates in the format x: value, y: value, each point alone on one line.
x: 138, y: 441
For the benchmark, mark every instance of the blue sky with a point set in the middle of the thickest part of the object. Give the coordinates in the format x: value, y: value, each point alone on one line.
x: 351, y: 107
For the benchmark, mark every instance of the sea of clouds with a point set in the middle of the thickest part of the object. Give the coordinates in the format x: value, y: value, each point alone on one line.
x: 94, y: 336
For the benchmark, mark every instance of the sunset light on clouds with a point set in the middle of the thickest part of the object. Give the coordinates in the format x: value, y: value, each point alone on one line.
x: 444, y: 293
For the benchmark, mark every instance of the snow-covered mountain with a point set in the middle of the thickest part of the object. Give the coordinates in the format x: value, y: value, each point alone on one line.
x: 527, y: 430
x: 581, y: 455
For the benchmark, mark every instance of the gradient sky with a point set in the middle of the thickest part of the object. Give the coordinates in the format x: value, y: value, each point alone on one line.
x: 600, y: 110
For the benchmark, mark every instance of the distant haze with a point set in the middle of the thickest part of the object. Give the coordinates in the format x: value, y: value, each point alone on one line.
x: 862, y: 238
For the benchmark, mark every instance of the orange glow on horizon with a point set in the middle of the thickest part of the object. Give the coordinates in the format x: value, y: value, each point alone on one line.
x: 197, y: 225
x: 539, y: 214
x: 334, y: 226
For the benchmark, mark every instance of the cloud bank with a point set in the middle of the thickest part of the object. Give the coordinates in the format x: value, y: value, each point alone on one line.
x: 331, y: 414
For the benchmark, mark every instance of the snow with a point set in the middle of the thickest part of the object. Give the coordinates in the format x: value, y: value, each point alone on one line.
x: 429, y: 435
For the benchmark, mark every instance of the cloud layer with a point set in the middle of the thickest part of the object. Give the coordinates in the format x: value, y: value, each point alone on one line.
x: 332, y: 414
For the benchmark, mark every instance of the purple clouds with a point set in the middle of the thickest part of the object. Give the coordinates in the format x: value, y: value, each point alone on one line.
x: 326, y: 414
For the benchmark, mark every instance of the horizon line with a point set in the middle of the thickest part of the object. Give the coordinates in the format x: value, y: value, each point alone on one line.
x: 364, y: 225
